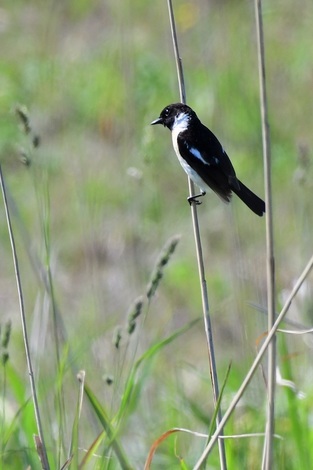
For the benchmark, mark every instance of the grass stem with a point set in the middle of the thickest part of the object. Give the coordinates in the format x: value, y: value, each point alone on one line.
x: 256, y: 363
x: 196, y: 229
x: 270, y: 260
x: 43, y: 452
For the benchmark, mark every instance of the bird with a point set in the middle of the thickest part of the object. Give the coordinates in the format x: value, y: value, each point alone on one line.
x: 203, y: 157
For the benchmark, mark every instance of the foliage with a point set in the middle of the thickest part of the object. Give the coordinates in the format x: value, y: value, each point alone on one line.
x: 97, y: 197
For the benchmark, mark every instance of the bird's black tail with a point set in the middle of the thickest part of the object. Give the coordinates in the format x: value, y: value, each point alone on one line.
x: 256, y: 204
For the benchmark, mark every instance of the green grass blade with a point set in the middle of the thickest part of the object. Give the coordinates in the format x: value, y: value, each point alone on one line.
x: 92, y: 450
x: 73, y: 454
x: 218, y: 404
x: 131, y: 389
x: 294, y: 406
x: 110, y: 431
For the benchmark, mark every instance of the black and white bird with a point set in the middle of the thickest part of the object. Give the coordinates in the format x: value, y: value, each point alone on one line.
x: 203, y: 158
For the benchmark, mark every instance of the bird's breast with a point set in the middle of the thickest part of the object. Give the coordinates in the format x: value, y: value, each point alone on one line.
x: 193, y: 175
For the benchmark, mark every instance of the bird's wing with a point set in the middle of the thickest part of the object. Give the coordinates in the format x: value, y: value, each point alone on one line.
x: 212, y: 149
x: 204, y: 153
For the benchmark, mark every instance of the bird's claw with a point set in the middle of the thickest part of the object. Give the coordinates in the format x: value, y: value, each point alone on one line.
x: 192, y: 200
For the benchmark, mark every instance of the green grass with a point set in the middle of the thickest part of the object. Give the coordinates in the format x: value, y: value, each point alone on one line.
x: 104, y: 193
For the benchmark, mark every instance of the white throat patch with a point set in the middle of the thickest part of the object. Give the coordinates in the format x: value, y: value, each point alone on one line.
x: 180, y: 123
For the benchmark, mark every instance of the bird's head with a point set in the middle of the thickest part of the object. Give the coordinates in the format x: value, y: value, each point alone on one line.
x: 174, y: 115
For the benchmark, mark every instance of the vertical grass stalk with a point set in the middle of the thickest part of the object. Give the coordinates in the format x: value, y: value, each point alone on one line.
x: 255, y: 364
x: 270, y: 260
x: 196, y: 229
x: 43, y: 452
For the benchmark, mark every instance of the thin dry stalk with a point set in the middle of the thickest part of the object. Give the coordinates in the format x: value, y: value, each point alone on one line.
x: 270, y: 260
x: 196, y: 229
x: 256, y: 363
x: 43, y: 451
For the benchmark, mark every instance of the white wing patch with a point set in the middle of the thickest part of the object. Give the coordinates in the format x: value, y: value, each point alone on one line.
x: 180, y: 125
x: 193, y: 175
x: 197, y: 154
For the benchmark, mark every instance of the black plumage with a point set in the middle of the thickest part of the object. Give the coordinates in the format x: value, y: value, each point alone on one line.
x: 203, y: 157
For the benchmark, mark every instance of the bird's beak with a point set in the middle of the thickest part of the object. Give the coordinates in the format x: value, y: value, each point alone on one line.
x: 157, y: 121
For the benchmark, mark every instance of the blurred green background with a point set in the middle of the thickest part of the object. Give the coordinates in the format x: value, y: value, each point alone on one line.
x: 104, y: 192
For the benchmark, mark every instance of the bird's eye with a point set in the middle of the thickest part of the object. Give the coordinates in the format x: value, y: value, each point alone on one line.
x: 166, y: 111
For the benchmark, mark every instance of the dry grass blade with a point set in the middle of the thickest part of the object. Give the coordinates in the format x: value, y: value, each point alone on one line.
x: 41, y: 451
x: 253, y: 434
x: 66, y: 464
x: 293, y: 332
x: 256, y: 363
x: 163, y: 437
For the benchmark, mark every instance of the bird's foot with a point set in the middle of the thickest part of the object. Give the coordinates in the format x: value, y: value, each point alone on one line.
x: 194, y: 200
